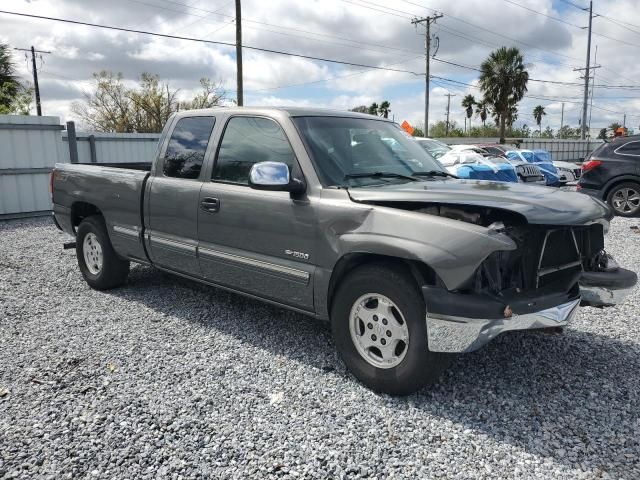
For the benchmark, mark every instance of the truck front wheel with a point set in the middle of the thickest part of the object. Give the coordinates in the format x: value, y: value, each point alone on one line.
x: 100, y: 265
x: 379, y: 328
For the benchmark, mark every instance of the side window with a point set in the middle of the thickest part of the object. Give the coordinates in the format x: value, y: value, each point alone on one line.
x: 631, y: 148
x: 187, y: 146
x: 249, y: 140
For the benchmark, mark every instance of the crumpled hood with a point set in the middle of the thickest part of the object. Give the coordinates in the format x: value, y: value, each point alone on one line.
x: 539, y: 205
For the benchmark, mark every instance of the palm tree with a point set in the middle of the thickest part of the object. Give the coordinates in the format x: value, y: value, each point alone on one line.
x: 384, y: 108
x: 373, y: 108
x: 468, y: 103
x: 538, y: 113
x: 503, y: 82
x: 8, y: 80
x: 482, y: 111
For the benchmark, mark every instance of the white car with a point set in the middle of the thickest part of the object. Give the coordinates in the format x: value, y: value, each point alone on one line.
x: 569, y: 172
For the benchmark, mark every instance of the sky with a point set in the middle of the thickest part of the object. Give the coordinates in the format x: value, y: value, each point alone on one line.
x: 550, y: 34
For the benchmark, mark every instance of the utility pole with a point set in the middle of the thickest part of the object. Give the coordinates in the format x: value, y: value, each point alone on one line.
x: 624, y: 121
x: 561, y: 119
x: 593, y: 89
x: 448, y: 95
x: 34, y: 67
x: 427, y: 55
x: 587, y: 72
x: 239, y: 53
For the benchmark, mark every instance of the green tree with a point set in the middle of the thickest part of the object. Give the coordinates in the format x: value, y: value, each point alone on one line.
x: 538, y: 113
x: 615, y: 125
x: 211, y: 95
x: 439, y: 129
x: 482, y: 110
x: 15, y: 98
x: 468, y: 102
x: 113, y: 107
x: 548, y: 133
x: 418, y: 132
x: 360, y: 109
x: 603, y: 134
x: 384, y: 108
x: 567, y: 132
x: 373, y: 109
x: 503, y: 82
x: 8, y: 79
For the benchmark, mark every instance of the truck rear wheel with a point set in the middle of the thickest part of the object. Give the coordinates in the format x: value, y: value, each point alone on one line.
x: 100, y: 265
x: 379, y: 328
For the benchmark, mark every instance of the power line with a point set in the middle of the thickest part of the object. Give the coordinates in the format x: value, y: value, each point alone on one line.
x: 201, y: 40
x: 258, y: 22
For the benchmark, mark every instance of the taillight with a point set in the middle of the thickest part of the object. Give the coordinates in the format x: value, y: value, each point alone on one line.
x: 590, y: 165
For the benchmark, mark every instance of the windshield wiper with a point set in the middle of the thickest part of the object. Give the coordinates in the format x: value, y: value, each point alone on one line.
x: 434, y: 173
x: 379, y: 175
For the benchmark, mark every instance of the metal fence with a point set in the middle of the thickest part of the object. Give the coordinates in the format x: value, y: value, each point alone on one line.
x: 561, y: 149
x: 31, y: 146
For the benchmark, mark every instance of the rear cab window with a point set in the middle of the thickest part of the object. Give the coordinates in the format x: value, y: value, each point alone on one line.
x: 187, y: 146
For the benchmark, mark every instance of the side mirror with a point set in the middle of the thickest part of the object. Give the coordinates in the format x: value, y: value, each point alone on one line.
x: 274, y: 176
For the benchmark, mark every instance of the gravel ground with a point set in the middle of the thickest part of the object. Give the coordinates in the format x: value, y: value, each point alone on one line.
x: 168, y: 379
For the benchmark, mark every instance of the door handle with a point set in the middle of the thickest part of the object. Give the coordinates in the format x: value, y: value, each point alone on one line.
x: 209, y: 204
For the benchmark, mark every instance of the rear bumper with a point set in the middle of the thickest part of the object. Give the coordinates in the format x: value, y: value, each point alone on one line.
x: 452, y: 334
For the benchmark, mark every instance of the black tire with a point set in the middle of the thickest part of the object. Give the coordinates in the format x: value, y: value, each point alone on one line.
x: 419, y: 367
x: 622, y: 211
x: 114, y: 270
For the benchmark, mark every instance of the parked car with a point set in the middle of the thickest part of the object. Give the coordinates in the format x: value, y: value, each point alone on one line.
x: 435, y: 148
x: 525, y: 171
x: 612, y: 173
x: 312, y: 210
x: 472, y: 165
x: 569, y: 172
x: 547, y: 168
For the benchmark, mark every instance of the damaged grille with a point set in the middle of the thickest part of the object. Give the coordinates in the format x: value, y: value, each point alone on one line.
x: 546, y: 258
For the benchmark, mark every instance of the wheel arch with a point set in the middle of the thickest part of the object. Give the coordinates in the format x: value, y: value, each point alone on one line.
x: 419, y: 271
x: 611, y: 184
x: 81, y: 210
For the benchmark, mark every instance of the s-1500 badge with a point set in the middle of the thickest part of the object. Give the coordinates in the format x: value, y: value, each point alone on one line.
x: 294, y: 254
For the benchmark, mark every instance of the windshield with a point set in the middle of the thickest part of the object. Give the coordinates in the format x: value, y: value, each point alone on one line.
x: 345, y: 150
x: 542, y: 155
x: 435, y: 148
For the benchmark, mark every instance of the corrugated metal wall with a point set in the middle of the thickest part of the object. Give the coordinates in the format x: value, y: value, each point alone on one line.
x: 30, y: 146
x: 113, y: 147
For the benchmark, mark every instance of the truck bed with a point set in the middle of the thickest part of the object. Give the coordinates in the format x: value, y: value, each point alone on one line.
x: 116, y: 189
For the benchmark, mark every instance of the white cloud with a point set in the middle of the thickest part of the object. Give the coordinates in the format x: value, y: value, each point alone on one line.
x: 469, y: 30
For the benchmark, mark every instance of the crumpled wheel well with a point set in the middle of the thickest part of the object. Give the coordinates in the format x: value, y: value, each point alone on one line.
x: 422, y: 273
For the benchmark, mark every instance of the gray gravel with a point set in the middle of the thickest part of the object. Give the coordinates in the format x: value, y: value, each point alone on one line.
x: 168, y: 379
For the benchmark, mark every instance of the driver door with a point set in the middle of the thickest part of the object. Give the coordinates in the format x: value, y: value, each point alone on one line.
x: 259, y: 242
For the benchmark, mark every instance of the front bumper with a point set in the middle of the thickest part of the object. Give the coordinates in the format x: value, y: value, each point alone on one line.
x: 452, y: 334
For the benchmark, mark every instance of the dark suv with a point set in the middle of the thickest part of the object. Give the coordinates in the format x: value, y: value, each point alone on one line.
x: 612, y: 173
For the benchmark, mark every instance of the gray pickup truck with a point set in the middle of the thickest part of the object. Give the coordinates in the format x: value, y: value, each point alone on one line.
x: 344, y: 217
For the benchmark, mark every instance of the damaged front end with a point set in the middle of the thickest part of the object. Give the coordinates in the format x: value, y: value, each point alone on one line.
x: 537, y: 285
